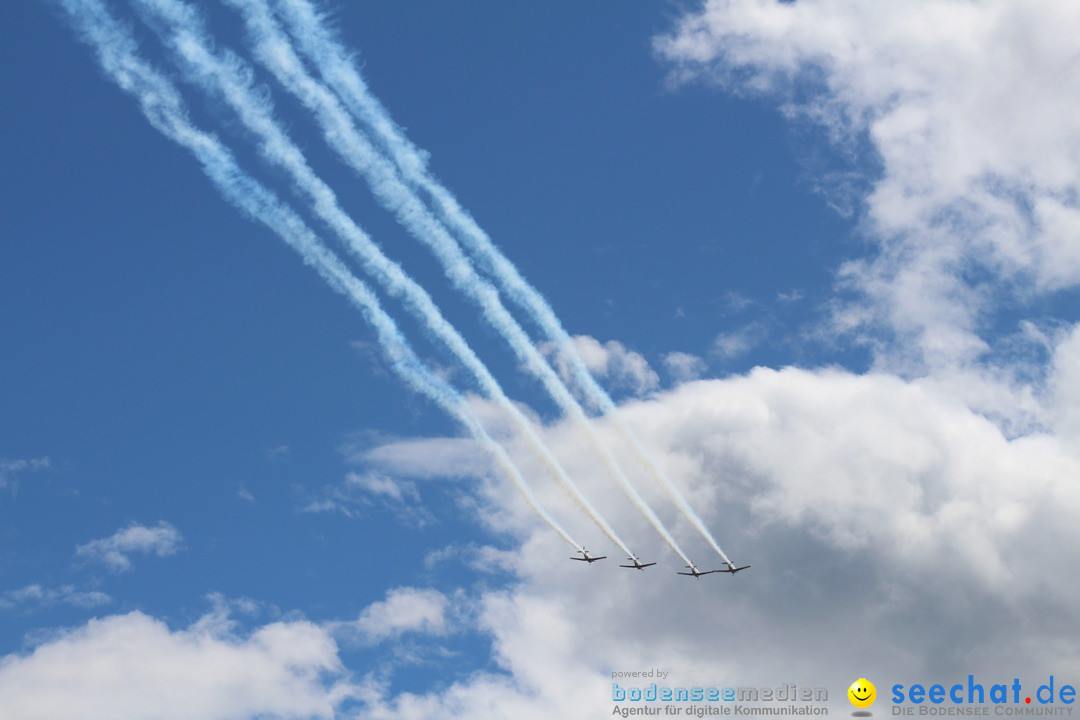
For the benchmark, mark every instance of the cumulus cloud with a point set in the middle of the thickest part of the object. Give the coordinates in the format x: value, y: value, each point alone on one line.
x: 405, y: 610
x: 967, y: 107
x: 885, y: 521
x: 134, y: 667
x: 1064, y: 388
x: 162, y: 540
x: 546, y: 662
x: 624, y: 369
x: 912, y: 520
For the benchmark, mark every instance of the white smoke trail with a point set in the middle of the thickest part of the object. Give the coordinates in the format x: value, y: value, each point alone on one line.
x: 227, y: 76
x: 339, y: 72
x: 275, y: 52
x: 163, y: 107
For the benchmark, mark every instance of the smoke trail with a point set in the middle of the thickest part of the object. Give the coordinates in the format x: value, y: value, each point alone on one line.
x: 275, y: 51
x: 337, y: 69
x: 165, y: 110
x: 227, y: 76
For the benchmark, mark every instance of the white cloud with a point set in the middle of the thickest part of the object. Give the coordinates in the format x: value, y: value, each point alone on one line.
x: 383, y: 485
x: 480, y: 558
x: 1064, y: 388
x: 8, y: 468
x: 612, y: 361
x: 37, y: 596
x: 733, y: 344
x: 360, y: 492
x: 162, y: 540
x: 135, y: 667
x: 970, y: 109
x: 405, y: 610
x: 426, y: 457
x: 278, y: 452
x: 684, y: 366
x: 884, y: 520
x: 549, y: 664
x: 915, y: 518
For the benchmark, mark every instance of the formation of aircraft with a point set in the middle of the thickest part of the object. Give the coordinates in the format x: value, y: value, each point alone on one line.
x: 636, y: 564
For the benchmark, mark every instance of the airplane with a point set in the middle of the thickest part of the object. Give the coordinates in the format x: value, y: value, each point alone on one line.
x: 732, y: 569
x: 698, y: 573
x: 587, y: 557
x: 637, y: 563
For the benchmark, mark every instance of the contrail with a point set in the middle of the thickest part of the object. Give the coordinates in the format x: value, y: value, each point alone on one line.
x: 274, y: 50
x: 338, y: 71
x: 227, y: 76
x: 163, y: 107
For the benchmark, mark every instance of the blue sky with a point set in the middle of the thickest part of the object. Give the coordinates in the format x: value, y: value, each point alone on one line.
x: 830, y: 285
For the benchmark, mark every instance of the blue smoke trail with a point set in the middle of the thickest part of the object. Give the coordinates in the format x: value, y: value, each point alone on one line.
x: 226, y: 76
x: 117, y: 53
x: 275, y: 52
x: 339, y: 71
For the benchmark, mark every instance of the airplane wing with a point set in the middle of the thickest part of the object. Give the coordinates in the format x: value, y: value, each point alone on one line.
x: 699, y: 573
x: 732, y: 570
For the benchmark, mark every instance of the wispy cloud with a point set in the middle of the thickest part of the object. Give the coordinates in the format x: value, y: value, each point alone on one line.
x: 623, y: 368
x: 425, y: 457
x: 684, y: 366
x: 33, y: 596
x: 162, y: 540
x: 9, y: 468
x: 481, y: 558
x: 362, y: 492
x: 278, y: 452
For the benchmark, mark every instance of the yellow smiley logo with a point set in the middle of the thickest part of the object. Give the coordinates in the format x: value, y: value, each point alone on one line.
x: 862, y: 693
